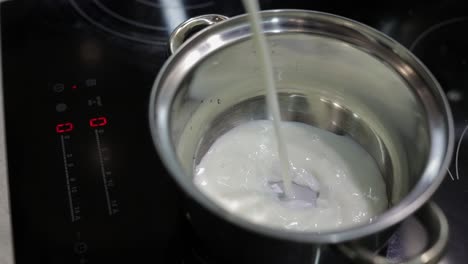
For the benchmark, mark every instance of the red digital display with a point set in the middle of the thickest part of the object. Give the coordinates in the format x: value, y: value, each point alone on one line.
x: 98, y: 121
x: 64, y: 127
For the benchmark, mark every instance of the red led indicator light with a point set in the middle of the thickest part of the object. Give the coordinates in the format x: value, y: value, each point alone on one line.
x: 98, y: 121
x: 74, y: 86
x: 64, y: 127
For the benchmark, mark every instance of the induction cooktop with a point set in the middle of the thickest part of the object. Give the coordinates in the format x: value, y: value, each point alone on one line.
x: 86, y: 184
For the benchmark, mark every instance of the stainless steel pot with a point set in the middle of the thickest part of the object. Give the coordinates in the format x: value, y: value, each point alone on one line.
x: 333, y: 73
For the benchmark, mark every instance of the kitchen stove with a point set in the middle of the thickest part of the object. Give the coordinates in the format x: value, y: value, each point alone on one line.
x: 86, y: 185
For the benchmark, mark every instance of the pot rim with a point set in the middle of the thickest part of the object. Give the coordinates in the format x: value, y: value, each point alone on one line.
x: 440, y: 124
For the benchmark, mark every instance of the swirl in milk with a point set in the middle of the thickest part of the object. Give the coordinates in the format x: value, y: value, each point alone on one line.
x: 336, y: 183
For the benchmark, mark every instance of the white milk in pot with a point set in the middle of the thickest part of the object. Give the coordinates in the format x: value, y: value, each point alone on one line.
x: 290, y: 175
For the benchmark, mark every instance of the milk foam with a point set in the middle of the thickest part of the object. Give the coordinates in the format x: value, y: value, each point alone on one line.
x: 336, y: 182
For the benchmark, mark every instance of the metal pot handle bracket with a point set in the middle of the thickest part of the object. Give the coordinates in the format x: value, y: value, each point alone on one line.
x: 432, y: 218
x: 185, y: 30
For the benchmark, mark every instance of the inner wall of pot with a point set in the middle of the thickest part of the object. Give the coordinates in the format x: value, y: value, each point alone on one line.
x: 323, y: 82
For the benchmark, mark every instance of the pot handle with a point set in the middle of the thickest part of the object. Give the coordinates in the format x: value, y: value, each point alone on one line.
x: 191, y: 26
x: 432, y: 217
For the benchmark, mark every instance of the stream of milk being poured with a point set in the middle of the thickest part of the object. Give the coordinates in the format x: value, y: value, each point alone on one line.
x: 266, y: 65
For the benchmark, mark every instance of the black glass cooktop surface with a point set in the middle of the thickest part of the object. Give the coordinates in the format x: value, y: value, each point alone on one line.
x: 86, y: 184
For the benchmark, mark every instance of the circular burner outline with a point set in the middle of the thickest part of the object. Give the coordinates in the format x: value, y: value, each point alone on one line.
x: 434, y: 28
x: 111, y: 31
x: 113, y: 14
x: 186, y: 7
x: 124, y: 19
x: 412, y: 47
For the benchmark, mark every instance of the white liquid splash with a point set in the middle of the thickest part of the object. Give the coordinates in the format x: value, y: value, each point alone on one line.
x: 240, y: 172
